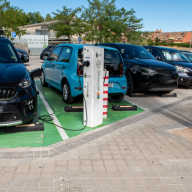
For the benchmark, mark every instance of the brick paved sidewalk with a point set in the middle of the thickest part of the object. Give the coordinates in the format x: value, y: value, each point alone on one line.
x: 138, y: 154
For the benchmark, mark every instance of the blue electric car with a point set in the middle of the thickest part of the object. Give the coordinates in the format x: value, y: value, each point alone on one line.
x: 62, y: 70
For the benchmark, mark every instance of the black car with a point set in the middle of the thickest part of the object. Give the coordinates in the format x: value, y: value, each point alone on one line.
x: 177, y: 59
x: 23, y: 55
x: 18, y: 95
x: 46, y: 51
x: 188, y: 55
x: 143, y: 71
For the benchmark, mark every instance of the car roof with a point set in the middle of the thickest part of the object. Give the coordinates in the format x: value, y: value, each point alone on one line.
x: 118, y: 44
x: 187, y: 53
x: 164, y: 48
x: 3, y: 38
x: 81, y: 46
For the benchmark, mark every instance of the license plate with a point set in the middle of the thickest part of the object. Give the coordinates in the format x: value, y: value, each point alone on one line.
x: 110, y: 85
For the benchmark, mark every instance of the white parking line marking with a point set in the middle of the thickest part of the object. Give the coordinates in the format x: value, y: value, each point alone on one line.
x: 135, y: 104
x: 55, y: 120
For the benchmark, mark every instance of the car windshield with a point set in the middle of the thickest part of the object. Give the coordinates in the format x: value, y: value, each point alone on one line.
x: 189, y: 56
x: 173, y: 55
x: 134, y: 52
x: 7, y: 53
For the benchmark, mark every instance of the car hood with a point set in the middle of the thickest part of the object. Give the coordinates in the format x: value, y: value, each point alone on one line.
x: 148, y: 63
x: 20, y: 50
x: 12, y: 72
x: 184, y: 64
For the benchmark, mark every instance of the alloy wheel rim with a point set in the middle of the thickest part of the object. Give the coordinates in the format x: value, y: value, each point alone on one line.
x: 65, y: 92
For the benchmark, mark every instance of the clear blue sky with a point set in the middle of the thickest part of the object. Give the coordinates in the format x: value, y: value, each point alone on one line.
x: 168, y: 15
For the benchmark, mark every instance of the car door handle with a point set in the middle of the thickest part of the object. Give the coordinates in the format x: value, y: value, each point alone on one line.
x: 63, y: 67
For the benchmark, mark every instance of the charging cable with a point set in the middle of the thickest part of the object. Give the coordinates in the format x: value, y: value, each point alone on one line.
x: 48, y: 118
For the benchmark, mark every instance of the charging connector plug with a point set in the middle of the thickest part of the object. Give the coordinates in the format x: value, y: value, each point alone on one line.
x: 85, y: 63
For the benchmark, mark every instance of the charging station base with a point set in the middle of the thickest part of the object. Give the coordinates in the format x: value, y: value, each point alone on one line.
x: 124, y: 108
x: 25, y: 128
x: 168, y: 94
x: 138, y: 95
x: 73, y: 109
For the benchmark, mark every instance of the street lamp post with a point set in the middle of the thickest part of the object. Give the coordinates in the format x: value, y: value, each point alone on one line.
x: 190, y: 40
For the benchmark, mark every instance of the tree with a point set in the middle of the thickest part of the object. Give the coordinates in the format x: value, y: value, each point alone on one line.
x: 157, y: 40
x: 150, y: 42
x: 68, y: 23
x: 48, y: 17
x: 105, y: 22
x: 11, y: 18
x: 34, y: 17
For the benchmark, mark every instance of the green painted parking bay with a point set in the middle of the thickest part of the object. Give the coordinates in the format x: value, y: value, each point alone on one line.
x: 51, y: 134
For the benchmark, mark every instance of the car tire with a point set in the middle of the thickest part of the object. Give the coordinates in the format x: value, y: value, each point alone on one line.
x: 43, y: 82
x: 117, y: 98
x: 66, y: 93
x: 129, y: 82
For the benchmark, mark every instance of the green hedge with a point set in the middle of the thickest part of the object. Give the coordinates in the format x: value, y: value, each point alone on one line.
x: 173, y: 44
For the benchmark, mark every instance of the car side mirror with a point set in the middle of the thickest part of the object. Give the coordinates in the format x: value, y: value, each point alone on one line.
x: 36, y: 72
x: 45, y: 57
x: 159, y: 58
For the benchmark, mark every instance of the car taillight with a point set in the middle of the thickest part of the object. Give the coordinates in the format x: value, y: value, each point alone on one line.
x: 121, y: 70
x: 79, y: 72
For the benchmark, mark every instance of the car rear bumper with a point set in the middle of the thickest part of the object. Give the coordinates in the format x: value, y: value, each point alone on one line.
x: 119, y: 86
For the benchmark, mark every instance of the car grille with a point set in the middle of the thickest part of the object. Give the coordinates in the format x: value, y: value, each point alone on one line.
x: 6, y: 117
x: 7, y: 93
x: 164, y: 71
x: 25, y: 54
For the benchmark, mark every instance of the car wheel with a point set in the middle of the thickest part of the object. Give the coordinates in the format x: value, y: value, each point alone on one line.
x: 43, y: 82
x: 117, y: 98
x: 129, y: 82
x: 66, y: 93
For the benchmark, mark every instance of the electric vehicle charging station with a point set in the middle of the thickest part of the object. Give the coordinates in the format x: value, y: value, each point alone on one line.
x: 93, y: 85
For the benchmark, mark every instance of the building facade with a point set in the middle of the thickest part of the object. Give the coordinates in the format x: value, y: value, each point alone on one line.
x: 42, y: 29
x: 176, y: 37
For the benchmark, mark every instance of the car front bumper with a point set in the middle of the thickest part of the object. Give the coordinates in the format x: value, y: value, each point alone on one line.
x: 21, y: 109
x: 157, y: 83
x: 184, y: 79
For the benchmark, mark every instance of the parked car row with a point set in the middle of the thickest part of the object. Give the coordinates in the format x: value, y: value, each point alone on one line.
x: 177, y: 59
x: 61, y: 69
x: 146, y: 68
x: 143, y: 71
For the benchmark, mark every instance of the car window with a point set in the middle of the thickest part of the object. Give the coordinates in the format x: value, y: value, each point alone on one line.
x: 156, y: 53
x: 55, y: 53
x: 7, y: 53
x: 65, y: 54
x: 190, y: 57
x: 148, y: 49
x: 134, y: 52
x: 112, y: 61
x: 173, y: 55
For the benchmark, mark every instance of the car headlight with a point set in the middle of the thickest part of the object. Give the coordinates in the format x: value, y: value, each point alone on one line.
x: 25, y: 83
x: 147, y: 71
x: 19, y: 53
x: 182, y: 69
